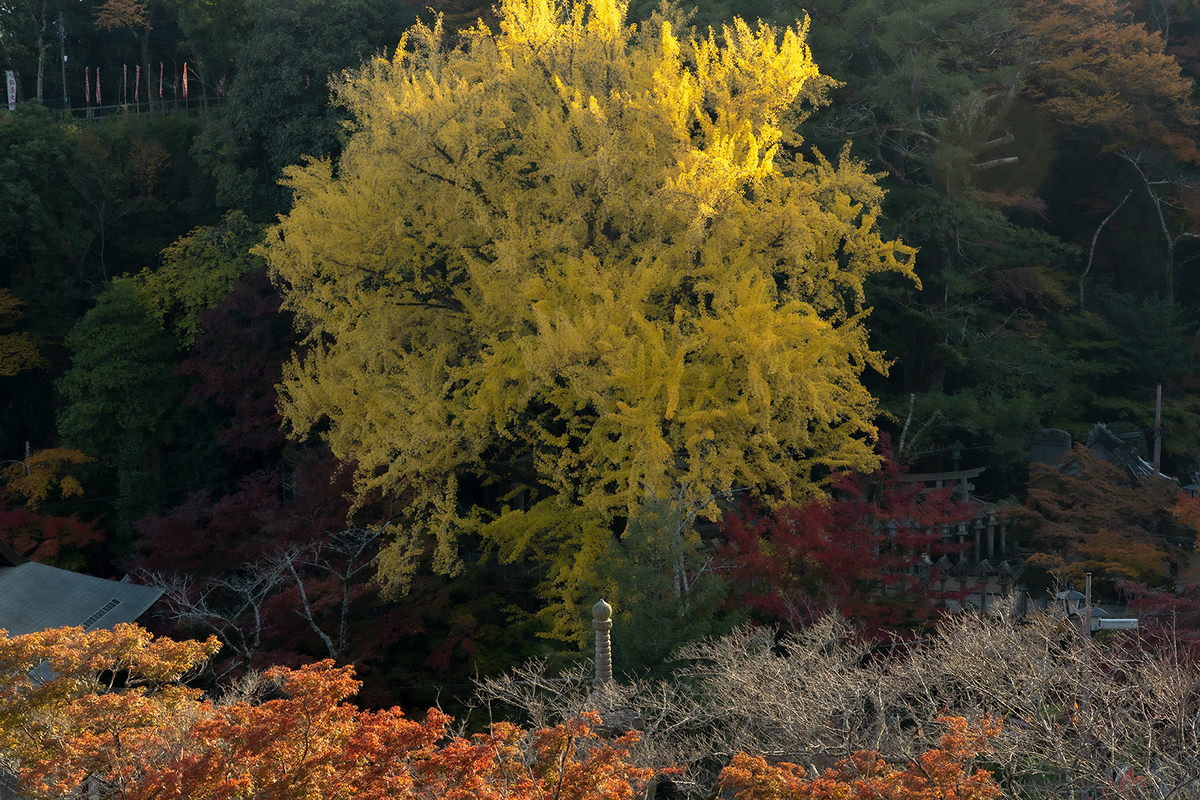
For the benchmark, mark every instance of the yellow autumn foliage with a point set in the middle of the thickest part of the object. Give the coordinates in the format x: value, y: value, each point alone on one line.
x: 575, y: 261
x: 42, y: 476
x: 18, y: 351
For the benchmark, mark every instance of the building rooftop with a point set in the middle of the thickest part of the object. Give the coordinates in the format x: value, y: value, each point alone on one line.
x: 34, y: 597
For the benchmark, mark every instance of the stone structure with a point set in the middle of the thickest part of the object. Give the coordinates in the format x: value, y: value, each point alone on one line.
x: 602, y: 623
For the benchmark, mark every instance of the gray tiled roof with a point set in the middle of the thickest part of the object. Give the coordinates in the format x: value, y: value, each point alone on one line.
x: 34, y: 597
x: 1118, y: 449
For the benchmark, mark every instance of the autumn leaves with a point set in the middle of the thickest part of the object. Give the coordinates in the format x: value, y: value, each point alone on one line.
x: 106, y: 710
x: 574, y: 262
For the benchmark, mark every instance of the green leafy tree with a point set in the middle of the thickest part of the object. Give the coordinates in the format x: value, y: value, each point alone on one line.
x: 990, y: 119
x: 29, y: 31
x: 1146, y: 343
x: 934, y: 92
x: 40, y: 240
x: 668, y: 585
x: 120, y: 392
x: 117, y: 188
x: 571, y: 262
x: 216, y: 32
x: 123, y: 390
x: 42, y: 276
x: 198, y: 271
x: 278, y: 110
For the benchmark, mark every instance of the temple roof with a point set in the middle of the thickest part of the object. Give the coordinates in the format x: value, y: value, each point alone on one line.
x: 34, y: 597
x: 1119, y: 449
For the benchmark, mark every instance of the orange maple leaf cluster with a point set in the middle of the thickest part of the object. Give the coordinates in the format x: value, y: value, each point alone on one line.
x: 143, y: 735
x: 122, y: 14
x: 108, y: 710
x: 941, y: 773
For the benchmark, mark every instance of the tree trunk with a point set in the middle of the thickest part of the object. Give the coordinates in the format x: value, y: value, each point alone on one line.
x: 41, y: 67
x: 144, y: 41
x: 40, y: 23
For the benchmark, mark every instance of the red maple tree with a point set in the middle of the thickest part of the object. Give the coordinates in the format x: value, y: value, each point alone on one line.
x: 859, y: 553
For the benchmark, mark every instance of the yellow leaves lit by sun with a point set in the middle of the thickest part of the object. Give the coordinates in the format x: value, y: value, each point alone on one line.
x: 580, y: 260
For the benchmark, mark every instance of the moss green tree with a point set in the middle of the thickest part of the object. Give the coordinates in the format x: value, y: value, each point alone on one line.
x: 277, y: 109
x: 668, y: 586
x: 198, y: 270
x: 573, y: 263
x: 119, y: 395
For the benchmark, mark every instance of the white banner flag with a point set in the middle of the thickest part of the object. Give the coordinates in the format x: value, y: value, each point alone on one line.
x: 12, y: 89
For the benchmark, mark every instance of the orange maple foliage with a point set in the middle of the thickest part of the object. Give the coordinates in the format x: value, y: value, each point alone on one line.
x: 122, y: 14
x: 310, y: 742
x: 1086, y: 515
x: 49, y: 679
x: 1187, y: 510
x: 1095, y: 69
x: 941, y: 773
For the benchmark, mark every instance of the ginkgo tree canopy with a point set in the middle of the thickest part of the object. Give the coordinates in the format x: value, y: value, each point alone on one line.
x: 573, y: 262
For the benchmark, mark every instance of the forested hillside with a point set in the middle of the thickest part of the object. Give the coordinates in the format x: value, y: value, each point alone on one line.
x: 406, y: 334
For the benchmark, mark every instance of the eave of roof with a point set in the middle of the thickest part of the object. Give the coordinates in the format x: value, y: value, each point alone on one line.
x: 34, y: 597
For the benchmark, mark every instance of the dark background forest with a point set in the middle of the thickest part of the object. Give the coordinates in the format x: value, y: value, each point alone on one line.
x: 1040, y: 155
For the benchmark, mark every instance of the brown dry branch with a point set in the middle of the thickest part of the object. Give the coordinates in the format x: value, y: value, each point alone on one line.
x: 1117, y: 716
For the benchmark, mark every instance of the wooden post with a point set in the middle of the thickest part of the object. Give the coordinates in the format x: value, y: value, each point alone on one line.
x: 1087, y: 605
x: 602, y: 623
x: 62, y: 59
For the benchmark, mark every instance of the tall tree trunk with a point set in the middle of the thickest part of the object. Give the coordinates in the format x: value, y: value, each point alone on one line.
x: 41, y: 78
x: 1158, y: 199
x: 40, y: 21
x: 144, y: 41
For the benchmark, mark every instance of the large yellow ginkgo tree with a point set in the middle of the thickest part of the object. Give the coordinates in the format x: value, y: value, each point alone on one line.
x: 574, y: 263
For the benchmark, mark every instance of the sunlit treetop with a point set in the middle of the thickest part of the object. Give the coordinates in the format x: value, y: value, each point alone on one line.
x: 577, y: 261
